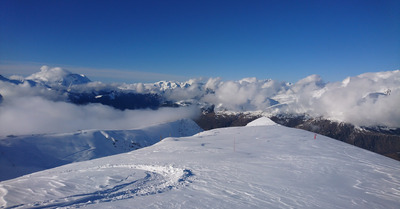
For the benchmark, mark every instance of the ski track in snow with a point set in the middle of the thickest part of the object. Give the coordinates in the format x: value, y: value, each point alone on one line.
x: 157, y: 179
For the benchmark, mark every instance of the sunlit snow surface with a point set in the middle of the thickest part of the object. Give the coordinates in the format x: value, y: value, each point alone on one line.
x: 20, y: 155
x: 259, y: 166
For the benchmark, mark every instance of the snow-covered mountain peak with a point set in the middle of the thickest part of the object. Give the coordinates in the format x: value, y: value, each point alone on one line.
x: 57, y: 76
x: 164, y: 85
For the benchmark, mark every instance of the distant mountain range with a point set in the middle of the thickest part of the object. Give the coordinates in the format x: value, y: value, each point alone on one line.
x: 360, y: 110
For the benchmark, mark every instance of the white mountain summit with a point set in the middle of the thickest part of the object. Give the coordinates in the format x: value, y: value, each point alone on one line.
x: 57, y: 76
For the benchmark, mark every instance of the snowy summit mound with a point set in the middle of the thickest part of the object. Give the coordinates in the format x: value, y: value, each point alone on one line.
x: 263, y: 121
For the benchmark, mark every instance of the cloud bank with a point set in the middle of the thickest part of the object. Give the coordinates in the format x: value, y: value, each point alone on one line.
x: 369, y: 99
x: 36, y: 110
x: 35, y: 115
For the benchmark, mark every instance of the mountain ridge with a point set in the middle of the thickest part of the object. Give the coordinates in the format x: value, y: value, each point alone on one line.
x: 367, y: 101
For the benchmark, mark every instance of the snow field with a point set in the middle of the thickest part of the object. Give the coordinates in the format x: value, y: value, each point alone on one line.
x: 81, y: 187
x: 264, y: 166
x: 26, y: 154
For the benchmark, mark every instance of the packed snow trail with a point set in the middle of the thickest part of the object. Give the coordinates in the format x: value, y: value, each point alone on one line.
x: 272, y: 167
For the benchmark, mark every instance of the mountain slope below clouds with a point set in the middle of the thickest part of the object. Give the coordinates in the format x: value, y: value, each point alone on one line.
x: 262, y: 166
x: 27, y: 154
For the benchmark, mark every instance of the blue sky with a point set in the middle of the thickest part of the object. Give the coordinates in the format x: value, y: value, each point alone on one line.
x: 146, y: 41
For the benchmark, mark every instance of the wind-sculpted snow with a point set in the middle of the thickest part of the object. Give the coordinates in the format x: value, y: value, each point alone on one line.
x: 268, y: 166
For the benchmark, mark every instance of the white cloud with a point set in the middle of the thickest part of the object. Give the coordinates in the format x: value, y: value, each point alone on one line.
x: 10, y: 91
x: 245, y: 95
x: 35, y: 115
x: 35, y: 110
x: 361, y: 100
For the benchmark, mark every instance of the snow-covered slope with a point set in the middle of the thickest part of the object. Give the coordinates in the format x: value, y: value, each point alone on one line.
x: 26, y: 154
x: 264, y: 166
